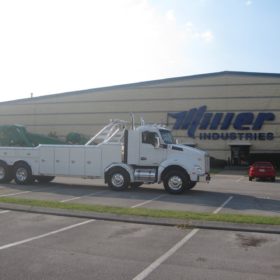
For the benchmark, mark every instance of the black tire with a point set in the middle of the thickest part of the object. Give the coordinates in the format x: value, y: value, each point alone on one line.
x: 136, y: 184
x: 273, y: 179
x: 118, y: 179
x: 191, y: 185
x: 175, y: 181
x: 23, y: 174
x: 5, y: 173
x: 250, y: 178
x: 44, y: 179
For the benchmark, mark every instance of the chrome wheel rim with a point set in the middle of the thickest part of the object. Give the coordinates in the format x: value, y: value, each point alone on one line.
x: 175, y: 183
x: 21, y: 174
x: 2, y: 172
x: 118, y: 180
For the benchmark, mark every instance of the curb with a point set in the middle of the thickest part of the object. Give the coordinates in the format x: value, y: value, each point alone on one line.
x: 210, y: 225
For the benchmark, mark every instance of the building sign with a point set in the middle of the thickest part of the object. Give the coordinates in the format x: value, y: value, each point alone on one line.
x: 246, y: 124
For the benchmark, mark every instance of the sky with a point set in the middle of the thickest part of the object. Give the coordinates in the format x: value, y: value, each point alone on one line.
x: 55, y: 46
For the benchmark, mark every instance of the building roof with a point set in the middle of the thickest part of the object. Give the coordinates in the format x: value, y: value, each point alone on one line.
x: 148, y: 83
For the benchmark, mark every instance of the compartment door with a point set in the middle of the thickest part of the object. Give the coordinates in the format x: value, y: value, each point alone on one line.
x: 93, y: 162
x: 46, y: 161
x: 77, y: 161
x: 61, y: 162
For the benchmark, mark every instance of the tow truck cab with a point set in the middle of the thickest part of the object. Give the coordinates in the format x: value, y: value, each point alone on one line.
x: 151, y: 155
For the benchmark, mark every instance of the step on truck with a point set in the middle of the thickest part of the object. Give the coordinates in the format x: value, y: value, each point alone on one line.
x: 124, y: 155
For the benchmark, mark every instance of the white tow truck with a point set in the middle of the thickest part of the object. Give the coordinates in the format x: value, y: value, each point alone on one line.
x: 122, y: 154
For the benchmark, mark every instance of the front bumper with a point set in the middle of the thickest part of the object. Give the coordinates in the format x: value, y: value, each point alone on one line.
x: 204, y: 178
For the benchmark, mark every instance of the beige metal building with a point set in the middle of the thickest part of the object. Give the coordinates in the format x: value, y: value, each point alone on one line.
x: 233, y: 115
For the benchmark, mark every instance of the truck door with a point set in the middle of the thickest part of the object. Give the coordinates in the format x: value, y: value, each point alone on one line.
x: 149, y: 155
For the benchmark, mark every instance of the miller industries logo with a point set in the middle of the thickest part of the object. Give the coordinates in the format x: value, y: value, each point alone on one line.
x: 245, y: 124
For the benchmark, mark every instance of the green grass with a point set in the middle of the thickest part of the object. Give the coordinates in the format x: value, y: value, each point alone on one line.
x: 144, y: 212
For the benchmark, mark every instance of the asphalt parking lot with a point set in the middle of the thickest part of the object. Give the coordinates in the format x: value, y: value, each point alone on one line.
x: 37, y: 246
x: 233, y: 191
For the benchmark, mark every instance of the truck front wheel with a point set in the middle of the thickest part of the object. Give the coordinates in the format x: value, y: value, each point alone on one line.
x: 118, y: 179
x: 191, y: 184
x: 175, y: 182
x: 22, y: 173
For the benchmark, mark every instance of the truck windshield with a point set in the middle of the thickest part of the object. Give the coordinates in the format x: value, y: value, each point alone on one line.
x: 167, y: 136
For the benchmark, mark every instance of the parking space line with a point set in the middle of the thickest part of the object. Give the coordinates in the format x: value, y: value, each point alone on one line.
x: 154, y: 265
x: 223, y: 205
x: 87, y: 195
x: 43, y: 235
x: 147, y: 201
x: 239, y: 179
x: 165, y: 256
x: 70, y: 199
x: 5, y: 211
x: 12, y: 194
x: 17, y: 193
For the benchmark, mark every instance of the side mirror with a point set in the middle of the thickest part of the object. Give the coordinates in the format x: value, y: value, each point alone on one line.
x: 157, y: 143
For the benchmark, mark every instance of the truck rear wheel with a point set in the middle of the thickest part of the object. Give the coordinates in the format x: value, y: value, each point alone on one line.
x: 175, y: 182
x: 118, y: 179
x: 22, y: 173
x: 5, y: 173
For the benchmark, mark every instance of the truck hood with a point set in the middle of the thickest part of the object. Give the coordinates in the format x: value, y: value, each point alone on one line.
x: 179, y: 147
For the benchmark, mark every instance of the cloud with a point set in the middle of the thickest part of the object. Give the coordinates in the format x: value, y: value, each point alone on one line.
x: 170, y: 15
x: 55, y: 46
x: 248, y: 2
x: 191, y: 32
x: 206, y: 36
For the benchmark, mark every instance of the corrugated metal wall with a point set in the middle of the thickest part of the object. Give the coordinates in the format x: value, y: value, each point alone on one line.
x: 87, y: 111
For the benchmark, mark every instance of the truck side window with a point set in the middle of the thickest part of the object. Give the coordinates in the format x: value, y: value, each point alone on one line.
x: 149, y: 137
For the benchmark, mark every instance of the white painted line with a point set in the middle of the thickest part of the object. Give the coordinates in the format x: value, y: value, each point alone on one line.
x: 83, y: 196
x: 147, y: 201
x: 12, y: 194
x: 238, y: 180
x: 223, y: 205
x: 34, y: 191
x: 43, y: 235
x: 4, y: 211
x: 165, y: 256
x: 154, y: 265
x: 70, y: 199
x: 263, y: 197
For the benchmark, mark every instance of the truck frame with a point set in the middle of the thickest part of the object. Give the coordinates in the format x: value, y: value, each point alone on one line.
x: 122, y: 154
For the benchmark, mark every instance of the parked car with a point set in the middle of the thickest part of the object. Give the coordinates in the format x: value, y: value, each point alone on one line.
x: 262, y: 170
